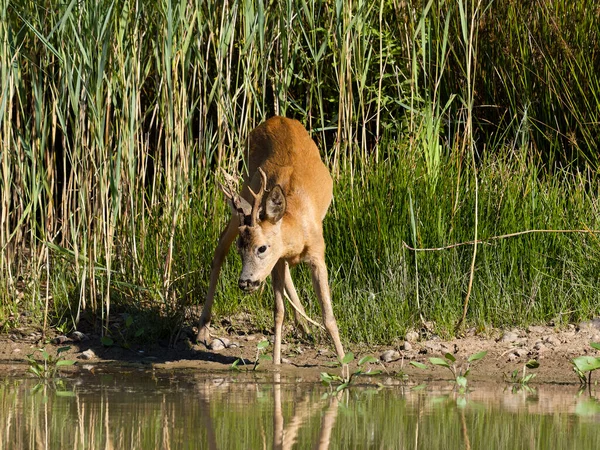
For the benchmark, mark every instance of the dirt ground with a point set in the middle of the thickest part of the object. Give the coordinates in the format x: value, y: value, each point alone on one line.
x: 508, y: 350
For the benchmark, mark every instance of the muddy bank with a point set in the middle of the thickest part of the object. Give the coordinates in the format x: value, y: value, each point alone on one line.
x: 507, y: 351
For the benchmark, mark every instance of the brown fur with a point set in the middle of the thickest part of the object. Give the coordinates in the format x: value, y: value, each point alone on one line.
x: 289, y: 158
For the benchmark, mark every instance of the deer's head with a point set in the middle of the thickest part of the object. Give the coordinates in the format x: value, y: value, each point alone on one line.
x: 259, y: 243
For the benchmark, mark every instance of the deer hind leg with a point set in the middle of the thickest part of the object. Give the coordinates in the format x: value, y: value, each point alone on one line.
x: 227, y: 237
x: 278, y: 281
x: 299, y: 312
x: 321, y: 286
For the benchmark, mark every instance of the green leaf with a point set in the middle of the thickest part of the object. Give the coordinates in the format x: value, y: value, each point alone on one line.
x: 450, y: 356
x: 139, y: 332
x: 234, y: 366
x: 327, y: 378
x: 461, y: 402
x: 128, y: 321
x: 595, y: 345
x: 371, y: 373
x: 529, y: 377
x: 107, y: 341
x: 586, y: 363
x: 65, y: 362
x: 262, y: 345
x: 418, y: 365
x: 439, y: 362
x: 341, y: 387
x: 532, y: 364
x: 63, y: 349
x: 419, y: 387
x: 266, y: 357
x: 461, y: 381
x: 36, y: 371
x: 45, y: 354
x: 477, y: 356
x: 348, y: 358
x: 367, y: 359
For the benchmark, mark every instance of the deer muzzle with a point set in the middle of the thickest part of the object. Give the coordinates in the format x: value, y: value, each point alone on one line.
x: 248, y: 286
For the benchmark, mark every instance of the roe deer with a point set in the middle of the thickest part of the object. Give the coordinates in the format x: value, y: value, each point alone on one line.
x: 283, y: 227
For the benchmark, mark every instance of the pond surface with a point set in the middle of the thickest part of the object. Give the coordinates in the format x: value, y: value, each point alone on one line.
x: 140, y: 409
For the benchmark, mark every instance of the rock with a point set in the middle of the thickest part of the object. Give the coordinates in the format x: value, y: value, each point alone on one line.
x: 552, y: 340
x: 520, y: 352
x: 412, y: 336
x: 322, y: 352
x: 78, y: 336
x: 60, y: 339
x: 233, y: 345
x: 285, y: 361
x: 509, y: 336
x: 407, y: 346
x: 250, y: 337
x: 88, y: 354
x: 219, y: 344
x: 590, y: 325
x: 389, y: 356
x: 512, y: 357
x: 539, y: 346
x: 433, y: 347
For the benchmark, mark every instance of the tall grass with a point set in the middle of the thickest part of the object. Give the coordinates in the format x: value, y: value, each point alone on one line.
x: 116, y: 115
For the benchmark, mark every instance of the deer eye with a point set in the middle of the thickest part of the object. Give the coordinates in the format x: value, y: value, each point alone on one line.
x: 262, y: 249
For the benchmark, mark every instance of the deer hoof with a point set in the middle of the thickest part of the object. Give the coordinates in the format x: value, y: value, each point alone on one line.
x: 203, y: 336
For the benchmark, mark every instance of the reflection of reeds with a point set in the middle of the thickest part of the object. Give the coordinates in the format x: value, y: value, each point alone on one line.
x: 139, y: 413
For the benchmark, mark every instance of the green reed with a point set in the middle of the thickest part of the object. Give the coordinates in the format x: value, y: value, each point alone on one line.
x: 116, y: 116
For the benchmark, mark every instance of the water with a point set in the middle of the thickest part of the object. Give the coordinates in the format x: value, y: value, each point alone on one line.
x: 138, y: 409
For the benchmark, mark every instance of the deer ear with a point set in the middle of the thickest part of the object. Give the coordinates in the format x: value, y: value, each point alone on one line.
x: 275, y: 205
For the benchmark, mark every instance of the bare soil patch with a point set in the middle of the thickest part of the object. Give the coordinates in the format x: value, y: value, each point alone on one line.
x: 507, y: 350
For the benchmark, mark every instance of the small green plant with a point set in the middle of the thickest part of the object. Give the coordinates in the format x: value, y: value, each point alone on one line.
x: 260, y: 356
x: 520, y: 379
x: 460, y: 376
x: 49, y: 366
x: 331, y: 380
x: 585, y: 365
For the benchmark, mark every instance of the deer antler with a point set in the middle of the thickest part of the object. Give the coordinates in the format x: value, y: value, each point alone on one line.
x: 230, y: 189
x: 258, y: 197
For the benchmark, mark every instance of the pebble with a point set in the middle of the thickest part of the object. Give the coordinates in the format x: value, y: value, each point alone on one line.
x: 219, y: 344
x: 509, y: 336
x: 407, y: 346
x: 285, y: 361
x: 389, y: 356
x: 590, y: 325
x: 60, y: 339
x: 88, y: 354
x: 78, y: 336
x: 433, y: 347
x: 552, y: 340
x: 412, y: 336
x: 520, y: 352
x: 539, y: 346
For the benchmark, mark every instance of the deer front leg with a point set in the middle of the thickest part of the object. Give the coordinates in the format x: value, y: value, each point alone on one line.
x: 298, y: 308
x: 278, y: 280
x: 320, y: 283
x: 227, y: 237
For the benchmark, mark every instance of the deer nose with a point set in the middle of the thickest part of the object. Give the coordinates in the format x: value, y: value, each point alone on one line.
x: 248, y: 285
